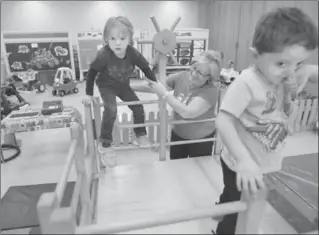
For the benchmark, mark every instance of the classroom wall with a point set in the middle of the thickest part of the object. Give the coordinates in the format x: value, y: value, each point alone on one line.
x: 76, y: 16
x: 231, y: 25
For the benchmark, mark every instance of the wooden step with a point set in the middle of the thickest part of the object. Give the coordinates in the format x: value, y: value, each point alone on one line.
x: 144, y: 190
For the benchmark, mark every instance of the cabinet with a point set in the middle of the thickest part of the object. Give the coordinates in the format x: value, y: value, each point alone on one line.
x: 231, y: 26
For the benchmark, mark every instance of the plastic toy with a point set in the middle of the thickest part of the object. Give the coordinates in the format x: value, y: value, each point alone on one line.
x: 229, y: 74
x: 54, y: 106
x: 10, y: 100
x: 27, y: 81
x: 64, y: 82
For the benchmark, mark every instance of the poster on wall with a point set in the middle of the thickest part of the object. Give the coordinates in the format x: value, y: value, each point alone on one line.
x: 38, y: 56
x: 88, y: 49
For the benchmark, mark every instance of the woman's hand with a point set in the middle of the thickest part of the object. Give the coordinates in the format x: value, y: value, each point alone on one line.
x: 158, y: 87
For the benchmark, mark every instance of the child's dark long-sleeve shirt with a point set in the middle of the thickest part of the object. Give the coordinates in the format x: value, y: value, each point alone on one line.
x: 113, y: 71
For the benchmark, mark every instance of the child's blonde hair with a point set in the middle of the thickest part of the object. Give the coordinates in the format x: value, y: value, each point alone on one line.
x: 214, y: 60
x: 115, y: 22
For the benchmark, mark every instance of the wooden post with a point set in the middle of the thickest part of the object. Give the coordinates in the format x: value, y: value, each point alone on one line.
x: 45, y: 209
x: 97, y: 116
x: 162, y: 102
x: 62, y: 221
x: 248, y: 221
x: 218, y: 143
x: 79, y: 159
x: 156, y: 26
x: 89, y: 129
x: 162, y: 110
x: 91, y: 145
x: 175, y: 23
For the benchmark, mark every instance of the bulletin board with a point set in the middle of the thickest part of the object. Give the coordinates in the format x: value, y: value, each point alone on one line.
x: 88, y: 45
x: 37, y: 51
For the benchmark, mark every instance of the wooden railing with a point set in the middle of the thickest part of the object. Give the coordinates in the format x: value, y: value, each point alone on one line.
x: 80, y: 216
x: 54, y: 219
x: 304, y: 115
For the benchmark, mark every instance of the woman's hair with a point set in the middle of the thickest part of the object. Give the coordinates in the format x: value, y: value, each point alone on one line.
x: 214, y: 60
x: 113, y: 22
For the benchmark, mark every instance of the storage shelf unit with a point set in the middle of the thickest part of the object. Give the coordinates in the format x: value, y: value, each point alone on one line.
x: 190, y: 42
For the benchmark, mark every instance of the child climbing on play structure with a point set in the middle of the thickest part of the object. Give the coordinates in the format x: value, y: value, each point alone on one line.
x: 113, y: 64
x: 253, y: 114
x: 195, y: 97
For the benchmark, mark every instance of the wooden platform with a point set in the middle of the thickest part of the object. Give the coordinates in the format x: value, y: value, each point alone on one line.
x: 145, y: 190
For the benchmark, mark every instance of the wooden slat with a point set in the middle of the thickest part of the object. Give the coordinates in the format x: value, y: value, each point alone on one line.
x: 89, y: 130
x: 305, y: 118
x: 135, y: 102
x: 76, y: 196
x: 116, y: 134
x: 293, y: 116
x: 313, y: 113
x: 157, y: 131
x: 97, y: 116
x: 151, y: 129
x: 300, y: 114
x: 125, y: 131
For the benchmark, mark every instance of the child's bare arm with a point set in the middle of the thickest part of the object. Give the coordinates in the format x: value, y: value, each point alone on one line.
x: 307, y: 74
x: 141, y: 86
x: 249, y: 176
x: 225, y: 124
x: 236, y: 100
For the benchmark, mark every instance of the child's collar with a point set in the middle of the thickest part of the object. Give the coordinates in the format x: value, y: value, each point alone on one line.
x: 263, y: 78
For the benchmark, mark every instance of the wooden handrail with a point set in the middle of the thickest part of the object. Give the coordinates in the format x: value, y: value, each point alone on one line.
x: 134, y: 102
x: 131, y: 147
x: 165, y: 219
x: 312, y: 232
x: 76, y: 192
x: 50, y: 202
x: 170, y: 122
x: 59, y: 191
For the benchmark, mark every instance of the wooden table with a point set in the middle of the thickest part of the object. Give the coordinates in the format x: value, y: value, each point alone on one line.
x: 11, y: 125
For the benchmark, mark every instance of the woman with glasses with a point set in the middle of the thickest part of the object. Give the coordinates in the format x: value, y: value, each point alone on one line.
x: 194, y: 98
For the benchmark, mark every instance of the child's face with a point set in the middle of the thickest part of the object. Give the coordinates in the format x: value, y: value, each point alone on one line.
x: 279, y: 66
x: 118, y: 40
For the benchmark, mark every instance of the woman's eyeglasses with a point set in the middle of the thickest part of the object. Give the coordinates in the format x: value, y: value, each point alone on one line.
x: 199, y: 69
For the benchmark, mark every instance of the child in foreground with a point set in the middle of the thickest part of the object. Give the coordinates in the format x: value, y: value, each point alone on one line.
x: 113, y: 64
x: 261, y: 97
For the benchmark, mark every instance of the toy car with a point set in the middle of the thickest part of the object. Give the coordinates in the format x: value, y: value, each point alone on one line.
x: 27, y: 81
x: 64, y: 82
